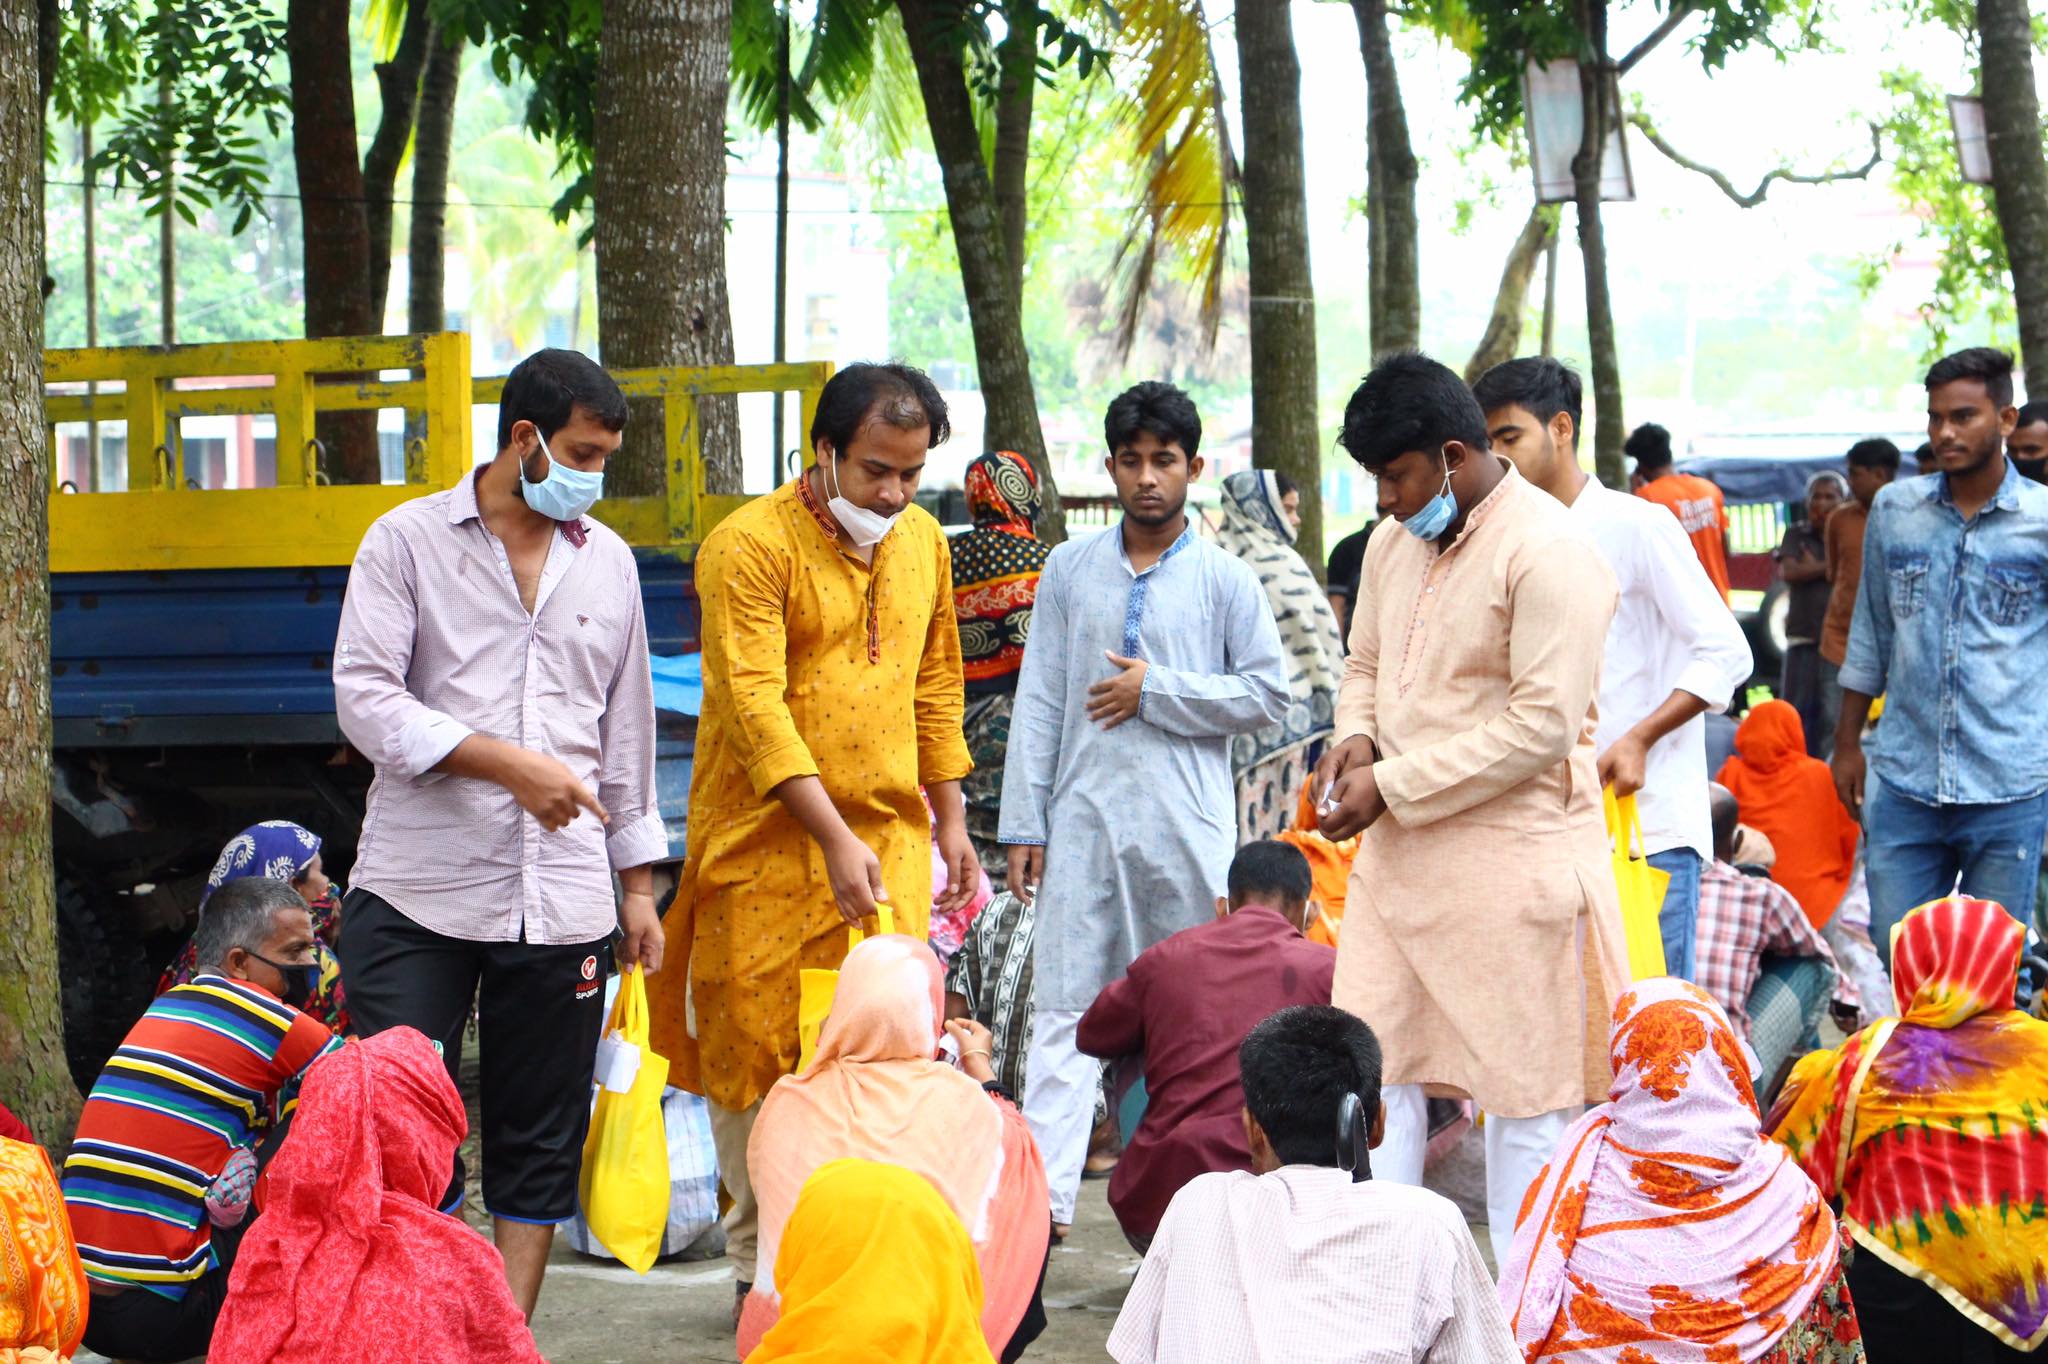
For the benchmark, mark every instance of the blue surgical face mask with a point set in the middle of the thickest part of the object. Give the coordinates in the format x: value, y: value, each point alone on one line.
x: 1437, y: 514
x: 563, y: 494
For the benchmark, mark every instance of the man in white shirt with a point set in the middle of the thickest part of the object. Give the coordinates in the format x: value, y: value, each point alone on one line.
x: 1309, y: 1260
x: 1674, y: 651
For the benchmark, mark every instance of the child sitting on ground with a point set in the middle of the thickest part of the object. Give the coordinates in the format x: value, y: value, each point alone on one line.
x: 1183, y: 1008
x: 1307, y: 1259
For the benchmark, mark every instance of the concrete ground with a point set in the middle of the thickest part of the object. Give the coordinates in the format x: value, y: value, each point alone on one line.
x: 595, y: 1312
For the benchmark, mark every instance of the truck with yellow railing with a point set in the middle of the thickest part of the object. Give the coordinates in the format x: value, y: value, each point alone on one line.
x: 198, y: 558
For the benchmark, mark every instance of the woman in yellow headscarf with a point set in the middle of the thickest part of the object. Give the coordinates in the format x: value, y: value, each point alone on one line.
x: 875, y: 1269
x: 42, y: 1285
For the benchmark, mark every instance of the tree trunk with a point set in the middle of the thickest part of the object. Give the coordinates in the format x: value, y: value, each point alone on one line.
x: 398, y: 83
x: 1285, y: 430
x: 433, y: 145
x: 336, y: 227
x: 1000, y: 357
x: 1395, y: 287
x: 1609, y: 429
x: 658, y: 190
x: 1503, y: 338
x: 33, y: 1074
x: 1018, y: 58
x: 2019, y: 176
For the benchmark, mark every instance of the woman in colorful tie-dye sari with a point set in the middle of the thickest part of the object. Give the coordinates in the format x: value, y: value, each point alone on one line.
x: 1931, y: 1128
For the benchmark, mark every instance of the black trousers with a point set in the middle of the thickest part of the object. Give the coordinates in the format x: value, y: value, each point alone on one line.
x: 139, y: 1324
x: 539, y: 1010
x: 1906, y: 1322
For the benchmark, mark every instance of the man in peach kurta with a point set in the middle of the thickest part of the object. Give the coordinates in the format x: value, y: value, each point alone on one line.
x: 832, y: 691
x: 1482, y: 935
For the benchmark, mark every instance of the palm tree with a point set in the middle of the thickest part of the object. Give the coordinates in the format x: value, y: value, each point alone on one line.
x: 860, y: 60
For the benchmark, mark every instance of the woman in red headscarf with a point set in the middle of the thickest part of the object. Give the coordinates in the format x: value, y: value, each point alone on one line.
x: 351, y: 1262
x: 995, y: 584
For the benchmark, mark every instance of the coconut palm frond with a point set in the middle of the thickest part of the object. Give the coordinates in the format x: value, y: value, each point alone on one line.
x: 887, y: 107
x: 1173, y: 114
x: 383, y: 25
x: 832, y: 57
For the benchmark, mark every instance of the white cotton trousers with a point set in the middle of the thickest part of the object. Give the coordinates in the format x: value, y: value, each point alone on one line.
x: 1517, y: 1149
x: 1059, y: 1104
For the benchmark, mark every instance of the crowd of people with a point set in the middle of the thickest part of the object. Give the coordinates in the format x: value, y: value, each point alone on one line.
x: 1301, y: 881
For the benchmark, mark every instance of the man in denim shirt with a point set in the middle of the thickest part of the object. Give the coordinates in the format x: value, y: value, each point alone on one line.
x: 1951, y: 626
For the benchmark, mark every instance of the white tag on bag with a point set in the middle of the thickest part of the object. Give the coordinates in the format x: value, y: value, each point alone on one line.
x: 618, y: 1062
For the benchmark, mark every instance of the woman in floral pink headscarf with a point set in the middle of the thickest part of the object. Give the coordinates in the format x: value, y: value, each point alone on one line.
x: 1666, y: 1230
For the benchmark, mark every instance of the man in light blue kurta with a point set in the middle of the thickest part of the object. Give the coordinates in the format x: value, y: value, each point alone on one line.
x: 1134, y: 810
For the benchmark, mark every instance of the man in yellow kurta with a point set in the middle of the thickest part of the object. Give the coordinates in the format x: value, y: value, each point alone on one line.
x: 832, y: 691
x: 1482, y: 933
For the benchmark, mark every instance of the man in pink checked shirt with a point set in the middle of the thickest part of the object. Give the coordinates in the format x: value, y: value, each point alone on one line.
x: 492, y: 663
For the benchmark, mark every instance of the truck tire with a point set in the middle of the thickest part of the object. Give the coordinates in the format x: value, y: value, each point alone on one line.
x: 1765, y: 631
x: 105, y: 974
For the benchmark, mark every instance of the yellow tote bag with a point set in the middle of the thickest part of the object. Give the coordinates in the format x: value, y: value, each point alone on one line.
x: 1641, y: 886
x: 814, y: 990
x: 625, y: 1179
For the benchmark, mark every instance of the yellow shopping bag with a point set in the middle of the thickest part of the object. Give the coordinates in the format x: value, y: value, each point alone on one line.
x: 814, y: 989
x: 625, y: 1181
x: 1641, y: 886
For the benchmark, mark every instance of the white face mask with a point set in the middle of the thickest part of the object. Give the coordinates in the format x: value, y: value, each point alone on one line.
x: 862, y: 526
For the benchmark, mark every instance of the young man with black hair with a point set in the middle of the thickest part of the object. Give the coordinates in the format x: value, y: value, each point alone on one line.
x: 1179, y: 1013
x: 2027, y: 446
x: 1482, y: 938
x: 1307, y: 1256
x: 157, y: 1184
x: 492, y: 664
x: 1150, y: 649
x: 1924, y: 462
x: 1674, y: 651
x: 1701, y: 510
x: 832, y: 691
x: 1952, y: 629
x: 1873, y: 464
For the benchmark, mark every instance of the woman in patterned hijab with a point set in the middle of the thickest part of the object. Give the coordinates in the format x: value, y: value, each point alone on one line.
x: 1272, y: 765
x: 280, y: 851
x: 995, y: 582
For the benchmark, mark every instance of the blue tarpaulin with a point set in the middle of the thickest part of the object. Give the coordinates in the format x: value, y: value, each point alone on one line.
x: 679, y: 683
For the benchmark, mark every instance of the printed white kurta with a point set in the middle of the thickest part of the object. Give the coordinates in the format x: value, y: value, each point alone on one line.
x: 1139, y: 822
x: 1482, y: 934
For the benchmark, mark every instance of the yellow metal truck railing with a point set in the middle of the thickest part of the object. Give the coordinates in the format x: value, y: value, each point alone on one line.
x: 161, y: 523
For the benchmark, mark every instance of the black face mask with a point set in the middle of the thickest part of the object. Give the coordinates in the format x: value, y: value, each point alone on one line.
x: 299, y: 981
x: 2036, y: 469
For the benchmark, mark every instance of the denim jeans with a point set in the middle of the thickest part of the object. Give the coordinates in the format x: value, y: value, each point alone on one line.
x: 1917, y: 852
x: 1681, y: 913
x: 1784, y: 1009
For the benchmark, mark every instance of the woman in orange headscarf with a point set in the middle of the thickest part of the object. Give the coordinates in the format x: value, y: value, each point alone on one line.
x: 1791, y: 799
x: 42, y: 1285
x: 875, y: 1269
x: 1666, y: 1230
x: 1927, y: 1126
x: 876, y: 1092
